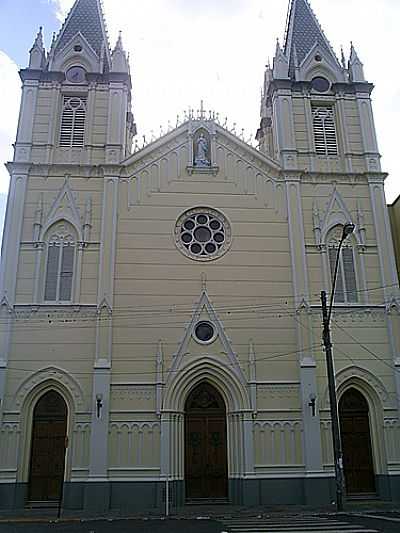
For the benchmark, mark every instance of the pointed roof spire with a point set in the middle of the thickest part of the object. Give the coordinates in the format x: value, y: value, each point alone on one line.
x: 86, y: 17
x: 302, y: 32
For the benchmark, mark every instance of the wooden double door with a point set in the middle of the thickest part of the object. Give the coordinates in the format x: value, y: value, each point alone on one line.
x: 49, y: 432
x: 206, y: 469
x: 356, y: 443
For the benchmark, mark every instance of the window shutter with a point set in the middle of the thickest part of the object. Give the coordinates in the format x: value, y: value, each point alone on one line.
x: 50, y: 293
x: 73, y: 121
x: 349, y: 274
x: 67, y: 124
x: 324, y: 130
x: 339, y: 294
x: 67, y: 270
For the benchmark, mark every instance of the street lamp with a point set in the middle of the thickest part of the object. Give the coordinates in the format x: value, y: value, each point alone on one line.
x: 326, y: 336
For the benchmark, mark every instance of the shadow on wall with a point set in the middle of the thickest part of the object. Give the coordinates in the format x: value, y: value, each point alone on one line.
x: 3, y: 204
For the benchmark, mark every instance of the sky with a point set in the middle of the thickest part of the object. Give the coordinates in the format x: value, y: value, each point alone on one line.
x: 184, y: 51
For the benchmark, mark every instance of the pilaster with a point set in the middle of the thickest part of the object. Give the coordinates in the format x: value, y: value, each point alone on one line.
x: 117, y: 112
x: 23, y: 144
x: 308, y: 382
x: 103, y: 361
x: 368, y: 132
x: 284, y: 127
x: 384, y: 240
x: 13, y: 230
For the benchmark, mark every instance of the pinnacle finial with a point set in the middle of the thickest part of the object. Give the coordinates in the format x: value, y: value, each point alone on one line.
x: 343, y: 57
x: 38, y: 43
x: 37, y: 54
x: 119, y: 59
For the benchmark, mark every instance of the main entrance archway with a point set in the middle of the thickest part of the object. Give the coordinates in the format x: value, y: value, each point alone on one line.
x: 49, y: 430
x: 356, y: 443
x: 206, y: 469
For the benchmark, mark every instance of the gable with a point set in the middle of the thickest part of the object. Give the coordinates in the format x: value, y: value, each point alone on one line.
x: 168, y: 165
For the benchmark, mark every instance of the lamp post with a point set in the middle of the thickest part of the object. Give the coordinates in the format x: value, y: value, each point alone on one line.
x: 326, y: 336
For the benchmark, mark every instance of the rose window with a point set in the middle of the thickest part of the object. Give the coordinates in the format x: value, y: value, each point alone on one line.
x: 203, y: 234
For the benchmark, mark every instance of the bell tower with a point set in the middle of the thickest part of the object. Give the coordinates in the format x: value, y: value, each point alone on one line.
x: 76, y: 101
x: 316, y: 112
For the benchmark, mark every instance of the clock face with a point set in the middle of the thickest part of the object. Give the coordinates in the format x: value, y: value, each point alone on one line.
x: 76, y: 75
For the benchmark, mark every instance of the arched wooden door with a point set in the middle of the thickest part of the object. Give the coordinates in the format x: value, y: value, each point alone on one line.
x: 206, y: 468
x: 49, y: 431
x: 356, y: 443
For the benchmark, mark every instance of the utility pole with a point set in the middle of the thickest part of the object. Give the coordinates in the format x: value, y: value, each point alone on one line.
x: 337, y: 445
x: 330, y: 372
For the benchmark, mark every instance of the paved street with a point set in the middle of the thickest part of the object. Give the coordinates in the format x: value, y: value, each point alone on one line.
x: 378, y: 522
x: 294, y: 524
x: 118, y: 526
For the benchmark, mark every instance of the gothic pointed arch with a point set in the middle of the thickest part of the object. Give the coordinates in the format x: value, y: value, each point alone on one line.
x: 205, y: 308
x: 217, y: 373
x: 336, y: 213
x: 46, y: 378
x: 64, y: 207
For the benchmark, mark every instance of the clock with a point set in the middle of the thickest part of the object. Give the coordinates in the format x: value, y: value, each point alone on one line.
x: 76, y: 75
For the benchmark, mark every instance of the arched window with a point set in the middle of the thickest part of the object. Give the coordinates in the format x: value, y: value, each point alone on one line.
x: 346, y: 284
x: 73, y: 121
x: 60, y: 262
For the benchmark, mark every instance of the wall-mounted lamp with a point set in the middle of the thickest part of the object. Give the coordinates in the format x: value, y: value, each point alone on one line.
x: 312, y: 403
x: 99, y: 404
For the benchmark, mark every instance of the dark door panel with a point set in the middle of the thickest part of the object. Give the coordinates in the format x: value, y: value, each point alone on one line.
x: 48, y: 448
x: 356, y: 443
x: 206, y: 471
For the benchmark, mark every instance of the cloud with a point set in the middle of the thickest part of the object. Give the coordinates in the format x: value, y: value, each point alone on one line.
x: 9, y: 108
x: 61, y: 7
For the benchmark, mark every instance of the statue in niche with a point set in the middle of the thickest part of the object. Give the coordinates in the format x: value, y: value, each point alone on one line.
x: 201, y: 157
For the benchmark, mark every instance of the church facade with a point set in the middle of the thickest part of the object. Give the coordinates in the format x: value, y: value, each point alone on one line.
x: 160, y: 307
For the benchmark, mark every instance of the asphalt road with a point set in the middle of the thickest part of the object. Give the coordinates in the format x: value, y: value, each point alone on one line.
x: 382, y: 525
x: 117, y: 526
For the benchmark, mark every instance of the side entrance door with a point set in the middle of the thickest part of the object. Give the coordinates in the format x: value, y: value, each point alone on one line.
x: 48, y: 448
x: 356, y: 443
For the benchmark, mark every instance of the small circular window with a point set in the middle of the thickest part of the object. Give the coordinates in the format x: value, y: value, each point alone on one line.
x: 320, y: 84
x: 204, y: 332
x: 203, y: 234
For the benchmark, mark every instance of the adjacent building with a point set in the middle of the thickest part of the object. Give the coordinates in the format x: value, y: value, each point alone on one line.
x: 394, y: 215
x: 160, y: 307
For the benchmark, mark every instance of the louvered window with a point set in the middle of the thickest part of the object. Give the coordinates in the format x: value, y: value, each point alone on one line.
x: 325, y: 138
x: 73, y: 121
x: 60, y: 265
x: 346, y: 283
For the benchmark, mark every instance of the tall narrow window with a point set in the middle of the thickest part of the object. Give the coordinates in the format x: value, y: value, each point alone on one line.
x: 325, y: 138
x: 346, y: 283
x: 73, y: 121
x: 60, y: 264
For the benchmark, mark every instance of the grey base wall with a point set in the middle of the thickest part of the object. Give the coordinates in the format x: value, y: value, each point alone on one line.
x: 149, y: 496
x: 286, y: 491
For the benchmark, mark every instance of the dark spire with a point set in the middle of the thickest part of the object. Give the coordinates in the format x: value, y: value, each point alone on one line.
x: 302, y: 32
x: 86, y: 17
